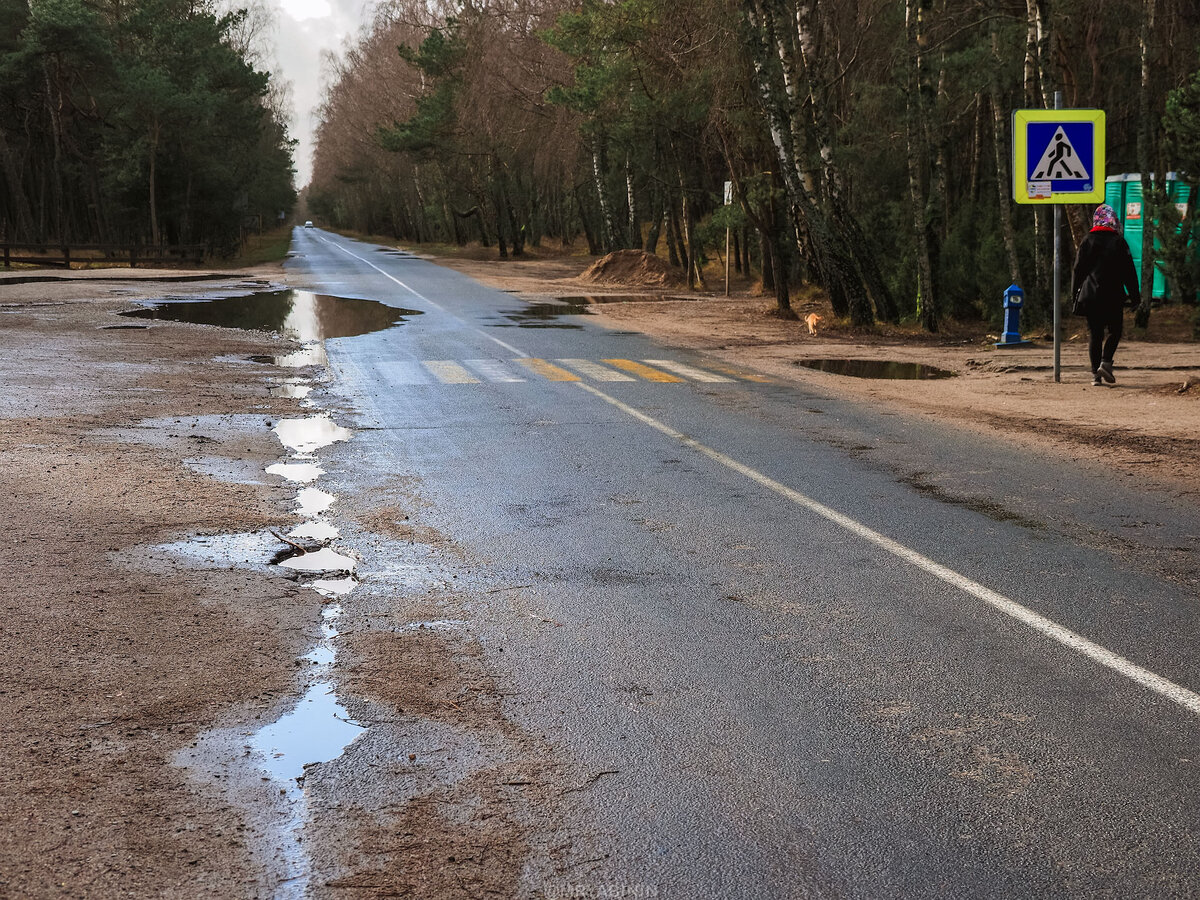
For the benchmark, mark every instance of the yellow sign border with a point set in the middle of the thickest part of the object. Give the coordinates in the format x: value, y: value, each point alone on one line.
x: 1020, y: 136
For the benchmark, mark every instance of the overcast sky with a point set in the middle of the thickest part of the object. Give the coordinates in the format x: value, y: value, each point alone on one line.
x: 305, y: 28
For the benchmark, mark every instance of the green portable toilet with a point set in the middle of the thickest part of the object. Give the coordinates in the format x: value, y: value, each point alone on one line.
x: 1133, y: 222
x: 1114, y: 195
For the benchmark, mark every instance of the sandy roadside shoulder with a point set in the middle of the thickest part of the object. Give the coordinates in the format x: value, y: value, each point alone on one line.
x: 122, y: 436
x: 1148, y: 422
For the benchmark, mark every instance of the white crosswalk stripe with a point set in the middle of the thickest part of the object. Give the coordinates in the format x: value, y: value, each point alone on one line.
x: 493, y: 370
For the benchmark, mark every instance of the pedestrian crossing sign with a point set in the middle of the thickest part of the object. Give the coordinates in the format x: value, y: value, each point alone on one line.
x: 1058, y: 156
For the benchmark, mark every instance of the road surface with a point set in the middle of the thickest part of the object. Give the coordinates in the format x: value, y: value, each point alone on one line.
x: 784, y: 645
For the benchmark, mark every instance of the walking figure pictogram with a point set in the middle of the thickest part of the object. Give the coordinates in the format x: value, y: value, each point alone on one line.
x: 1053, y: 163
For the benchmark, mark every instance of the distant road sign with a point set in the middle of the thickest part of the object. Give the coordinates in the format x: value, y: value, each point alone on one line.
x: 1058, y: 156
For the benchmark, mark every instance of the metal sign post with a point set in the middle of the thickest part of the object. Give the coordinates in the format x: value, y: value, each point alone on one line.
x: 728, y: 200
x: 1058, y: 157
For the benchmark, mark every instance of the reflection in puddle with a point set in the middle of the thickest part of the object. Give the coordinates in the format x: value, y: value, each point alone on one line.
x: 316, y: 731
x: 303, y: 436
x: 299, y: 473
x: 311, y: 355
x: 543, y: 315
x: 292, y: 389
x: 325, y: 560
x: 300, y: 315
x: 334, y: 587
x: 313, y: 502
x: 316, y: 530
x: 875, y: 368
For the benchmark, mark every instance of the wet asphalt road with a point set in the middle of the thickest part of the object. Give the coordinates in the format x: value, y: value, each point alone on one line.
x: 775, y: 701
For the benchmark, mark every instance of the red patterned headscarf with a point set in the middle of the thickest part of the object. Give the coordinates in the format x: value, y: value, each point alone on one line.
x: 1105, y: 217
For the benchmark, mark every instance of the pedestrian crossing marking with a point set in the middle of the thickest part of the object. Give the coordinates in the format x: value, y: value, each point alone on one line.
x: 525, y: 370
x: 686, y: 371
x: 642, y: 371
x: 595, y: 371
x: 449, y: 372
x: 548, y: 370
x: 1059, y: 161
x: 493, y: 370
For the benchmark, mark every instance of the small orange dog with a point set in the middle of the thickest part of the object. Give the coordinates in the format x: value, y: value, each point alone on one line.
x: 811, y: 321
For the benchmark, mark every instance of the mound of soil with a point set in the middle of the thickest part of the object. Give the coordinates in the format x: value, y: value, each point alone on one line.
x: 632, y: 267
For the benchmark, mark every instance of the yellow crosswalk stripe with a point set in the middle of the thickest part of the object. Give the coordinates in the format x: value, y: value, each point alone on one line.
x: 642, y: 371
x: 449, y: 372
x: 548, y: 370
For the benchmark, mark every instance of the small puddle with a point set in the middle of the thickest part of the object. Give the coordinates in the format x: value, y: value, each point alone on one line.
x: 542, y: 315
x: 301, y: 315
x: 316, y: 731
x: 305, y: 436
x: 298, y: 473
x: 312, y: 502
x: 324, y: 561
x: 315, y: 530
x: 875, y: 368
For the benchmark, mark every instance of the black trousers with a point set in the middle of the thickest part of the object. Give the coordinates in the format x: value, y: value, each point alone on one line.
x: 1102, y: 347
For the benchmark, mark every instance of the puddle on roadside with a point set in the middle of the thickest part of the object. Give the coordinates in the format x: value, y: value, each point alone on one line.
x: 315, y: 530
x: 304, y: 436
x: 334, y: 587
x: 325, y: 561
x: 316, y: 731
x: 313, y: 502
x: 298, y: 473
x: 541, y: 315
x: 301, y: 315
x: 876, y: 368
x: 292, y: 389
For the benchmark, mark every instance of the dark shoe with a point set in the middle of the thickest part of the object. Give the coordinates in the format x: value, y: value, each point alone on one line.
x: 1096, y: 379
x: 1105, y: 372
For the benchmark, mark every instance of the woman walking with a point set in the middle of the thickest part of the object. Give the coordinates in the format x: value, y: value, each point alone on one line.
x: 1105, y: 278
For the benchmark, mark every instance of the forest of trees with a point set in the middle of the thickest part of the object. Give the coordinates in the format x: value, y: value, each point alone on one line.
x: 867, y: 140
x: 136, y: 122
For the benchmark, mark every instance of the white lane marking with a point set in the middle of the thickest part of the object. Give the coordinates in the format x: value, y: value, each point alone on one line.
x: 509, y: 347
x: 449, y: 372
x: 1098, y: 654
x: 685, y: 370
x: 493, y: 370
x: 595, y: 370
x: 400, y: 372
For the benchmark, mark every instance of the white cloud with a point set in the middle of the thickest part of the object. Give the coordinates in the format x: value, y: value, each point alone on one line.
x: 307, y: 9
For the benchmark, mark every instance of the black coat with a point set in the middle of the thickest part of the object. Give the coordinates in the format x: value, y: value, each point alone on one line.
x: 1106, y: 255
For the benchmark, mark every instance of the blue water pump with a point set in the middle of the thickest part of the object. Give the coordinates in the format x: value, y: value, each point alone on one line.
x: 1014, y: 299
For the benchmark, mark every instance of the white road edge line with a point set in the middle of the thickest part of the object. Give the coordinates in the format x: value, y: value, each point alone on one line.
x: 421, y: 296
x: 1147, y: 679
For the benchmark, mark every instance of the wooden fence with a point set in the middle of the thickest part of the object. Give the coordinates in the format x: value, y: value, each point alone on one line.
x: 63, y: 256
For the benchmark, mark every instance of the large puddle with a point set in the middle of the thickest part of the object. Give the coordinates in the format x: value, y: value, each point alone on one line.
x: 875, y: 368
x: 301, y: 315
